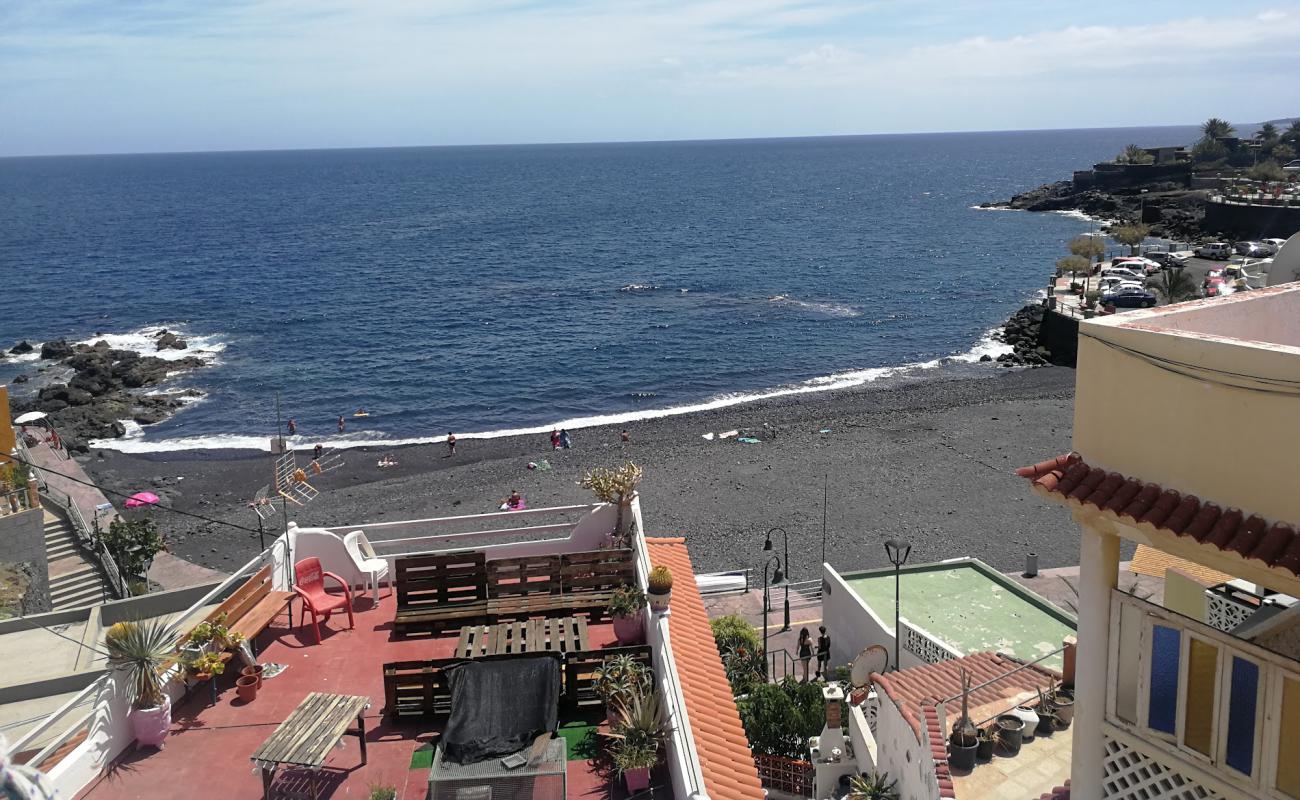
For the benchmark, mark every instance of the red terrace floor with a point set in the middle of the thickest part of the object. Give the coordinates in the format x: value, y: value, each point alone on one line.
x: 207, y: 753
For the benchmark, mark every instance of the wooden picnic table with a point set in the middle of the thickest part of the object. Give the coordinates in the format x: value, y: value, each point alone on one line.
x: 556, y: 635
x: 306, y: 737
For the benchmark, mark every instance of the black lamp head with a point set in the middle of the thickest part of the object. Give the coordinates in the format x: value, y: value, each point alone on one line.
x: 767, y: 543
x: 778, y: 576
x: 897, y: 551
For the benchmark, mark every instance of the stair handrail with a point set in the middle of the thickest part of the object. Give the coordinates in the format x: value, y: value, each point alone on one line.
x: 87, y: 539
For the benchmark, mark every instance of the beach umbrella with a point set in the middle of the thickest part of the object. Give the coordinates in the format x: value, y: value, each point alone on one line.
x: 141, y: 499
x: 29, y: 417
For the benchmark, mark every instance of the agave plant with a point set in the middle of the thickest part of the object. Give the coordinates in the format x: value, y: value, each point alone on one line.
x: 639, y: 720
x: 620, y: 677
x: 140, y: 650
x: 873, y: 786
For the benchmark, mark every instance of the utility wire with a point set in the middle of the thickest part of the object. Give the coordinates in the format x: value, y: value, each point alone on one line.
x: 74, y: 479
x: 1159, y: 362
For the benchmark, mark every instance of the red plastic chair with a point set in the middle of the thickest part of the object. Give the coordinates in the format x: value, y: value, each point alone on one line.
x: 309, y: 580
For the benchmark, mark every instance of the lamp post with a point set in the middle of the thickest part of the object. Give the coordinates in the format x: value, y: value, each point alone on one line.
x: 776, y: 578
x: 767, y: 546
x: 897, y: 551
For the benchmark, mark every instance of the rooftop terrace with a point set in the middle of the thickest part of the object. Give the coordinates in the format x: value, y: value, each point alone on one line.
x: 968, y: 606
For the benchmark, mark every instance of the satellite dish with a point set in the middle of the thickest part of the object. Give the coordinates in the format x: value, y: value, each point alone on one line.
x: 874, y: 659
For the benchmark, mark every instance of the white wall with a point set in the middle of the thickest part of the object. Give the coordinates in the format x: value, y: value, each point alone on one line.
x: 902, y: 756
x: 853, y: 625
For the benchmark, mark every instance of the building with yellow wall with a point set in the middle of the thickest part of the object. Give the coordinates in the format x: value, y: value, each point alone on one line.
x: 1186, y: 435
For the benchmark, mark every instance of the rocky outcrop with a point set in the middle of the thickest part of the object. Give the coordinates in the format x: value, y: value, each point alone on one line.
x: 1021, y: 332
x: 1171, y: 210
x: 165, y: 339
x: 102, y: 390
x: 22, y: 348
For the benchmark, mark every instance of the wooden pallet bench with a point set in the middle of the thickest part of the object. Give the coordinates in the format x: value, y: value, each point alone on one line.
x: 436, y: 592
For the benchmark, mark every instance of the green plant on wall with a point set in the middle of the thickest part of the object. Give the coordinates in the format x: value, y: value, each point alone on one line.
x: 779, y: 718
x: 741, y: 650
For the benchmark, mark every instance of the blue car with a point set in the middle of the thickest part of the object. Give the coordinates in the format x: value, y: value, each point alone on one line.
x: 1129, y: 297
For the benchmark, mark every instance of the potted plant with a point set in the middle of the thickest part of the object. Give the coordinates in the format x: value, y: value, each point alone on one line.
x: 625, y: 608
x: 873, y: 786
x: 139, y: 653
x: 1048, y: 721
x: 660, y: 583
x: 964, y: 740
x: 987, y: 738
x: 1062, y: 700
x: 616, y: 486
x: 618, y: 678
x: 206, y: 666
x: 639, y: 729
x: 1029, y: 717
x: 1009, y: 730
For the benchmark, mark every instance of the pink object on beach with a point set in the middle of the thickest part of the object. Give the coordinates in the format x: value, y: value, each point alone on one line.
x: 141, y: 499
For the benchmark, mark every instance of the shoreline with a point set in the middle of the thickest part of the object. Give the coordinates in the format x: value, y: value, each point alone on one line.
x: 928, y: 458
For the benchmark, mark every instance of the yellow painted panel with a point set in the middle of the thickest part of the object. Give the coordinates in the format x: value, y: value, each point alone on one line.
x: 1288, y: 765
x: 1202, y: 677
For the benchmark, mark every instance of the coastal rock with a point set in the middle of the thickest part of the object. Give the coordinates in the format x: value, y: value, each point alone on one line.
x: 21, y: 379
x: 166, y: 339
x: 22, y: 348
x: 56, y: 351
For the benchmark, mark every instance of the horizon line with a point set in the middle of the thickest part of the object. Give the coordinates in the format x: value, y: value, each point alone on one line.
x: 572, y: 143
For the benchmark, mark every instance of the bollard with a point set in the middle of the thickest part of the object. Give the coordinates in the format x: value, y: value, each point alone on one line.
x: 1031, y: 565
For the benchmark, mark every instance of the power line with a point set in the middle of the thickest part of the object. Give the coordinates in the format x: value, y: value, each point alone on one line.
x: 1169, y: 365
x: 74, y: 479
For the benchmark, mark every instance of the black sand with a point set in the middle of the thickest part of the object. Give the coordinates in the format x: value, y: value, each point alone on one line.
x: 929, y: 460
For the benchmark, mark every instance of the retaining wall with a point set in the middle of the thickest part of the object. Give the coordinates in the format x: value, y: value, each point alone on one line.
x: 1059, y: 333
x: 1252, y: 221
x: 22, y: 541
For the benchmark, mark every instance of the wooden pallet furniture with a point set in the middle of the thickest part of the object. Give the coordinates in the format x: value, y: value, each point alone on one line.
x: 435, y: 592
x: 305, y: 738
x: 555, y: 634
x: 422, y: 688
x: 568, y: 584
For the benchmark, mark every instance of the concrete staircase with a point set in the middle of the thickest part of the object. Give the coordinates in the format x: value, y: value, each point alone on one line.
x: 75, y: 580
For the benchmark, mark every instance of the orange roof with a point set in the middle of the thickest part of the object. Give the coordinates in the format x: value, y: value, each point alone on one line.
x: 725, y: 758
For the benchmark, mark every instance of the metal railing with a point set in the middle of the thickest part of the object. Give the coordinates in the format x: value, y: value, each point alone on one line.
x: 86, y: 537
x: 784, y: 660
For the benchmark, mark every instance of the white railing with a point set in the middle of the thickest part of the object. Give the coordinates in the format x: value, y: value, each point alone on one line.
x: 33, y: 735
x: 925, y: 645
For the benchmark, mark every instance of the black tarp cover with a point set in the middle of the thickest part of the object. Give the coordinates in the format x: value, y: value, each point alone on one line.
x: 499, y: 707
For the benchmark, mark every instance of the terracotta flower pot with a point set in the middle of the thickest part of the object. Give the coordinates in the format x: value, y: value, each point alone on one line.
x: 150, y: 725
x: 246, y: 687
x: 254, y: 671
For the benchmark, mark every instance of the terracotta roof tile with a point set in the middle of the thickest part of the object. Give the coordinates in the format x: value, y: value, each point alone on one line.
x: 938, y: 751
x: 1058, y: 793
x: 725, y: 758
x: 1232, y: 531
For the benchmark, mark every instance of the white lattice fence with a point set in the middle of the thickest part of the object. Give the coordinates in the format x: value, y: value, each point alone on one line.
x: 924, y: 646
x: 1132, y: 775
x: 1226, y: 613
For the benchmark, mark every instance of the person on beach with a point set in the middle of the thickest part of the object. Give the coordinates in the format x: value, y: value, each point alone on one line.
x: 316, y: 451
x: 342, y: 423
x: 565, y: 441
x: 515, y: 500
x: 805, y: 651
x: 823, y: 653
x: 625, y: 437
x: 555, y: 439
x: 451, y: 444
x: 293, y: 427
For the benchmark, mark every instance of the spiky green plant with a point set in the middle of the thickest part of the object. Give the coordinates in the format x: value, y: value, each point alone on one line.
x: 873, y: 785
x: 639, y: 720
x: 139, y: 651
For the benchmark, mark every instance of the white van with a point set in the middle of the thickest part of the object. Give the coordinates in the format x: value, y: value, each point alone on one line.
x: 1214, y: 250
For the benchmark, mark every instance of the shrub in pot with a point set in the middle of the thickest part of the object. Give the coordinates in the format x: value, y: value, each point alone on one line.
x: 1009, y: 730
x: 1048, y: 720
x: 139, y: 652
x: 625, y: 609
x: 616, y: 486
x: 984, y: 744
x: 660, y: 592
x: 1063, y: 701
x: 964, y: 740
x: 619, y: 678
x: 639, y: 729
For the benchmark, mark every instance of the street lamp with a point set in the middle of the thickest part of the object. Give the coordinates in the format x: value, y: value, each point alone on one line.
x: 897, y: 551
x: 767, y: 546
x: 777, y: 577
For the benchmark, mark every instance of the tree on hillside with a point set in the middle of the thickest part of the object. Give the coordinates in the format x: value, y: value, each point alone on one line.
x: 1089, y: 247
x: 1207, y: 150
x: 133, y: 544
x: 1072, y: 265
x: 1267, y: 132
x: 1133, y: 235
x: 1292, y: 134
x: 1175, y: 285
x: 1134, y: 155
x: 1215, y: 128
x: 1283, y: 153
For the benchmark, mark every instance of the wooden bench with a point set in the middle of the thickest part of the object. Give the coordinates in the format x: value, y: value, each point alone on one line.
x: 436, y: 592
x: 251, y: 608
x: 592, y: 576
x: 564, y: 585
x: 580, y: 671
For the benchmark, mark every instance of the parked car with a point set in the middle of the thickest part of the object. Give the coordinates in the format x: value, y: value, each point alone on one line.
x: 1124, y: 272
x: 1167, y: 260
x: 1129, y: 297
x: 1273, y: 245
x: 1147, y: 265
x: 1112, y: 283
x: 1214, y: 284
x: 1292, y: 166
x: 1214, y: 250
x: 1252, y: 249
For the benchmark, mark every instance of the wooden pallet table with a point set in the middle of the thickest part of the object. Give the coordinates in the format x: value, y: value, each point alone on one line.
x: 306, y: 737
x: 556, y: 635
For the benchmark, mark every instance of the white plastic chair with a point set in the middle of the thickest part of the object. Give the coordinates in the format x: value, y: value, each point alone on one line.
x: 363, y: 556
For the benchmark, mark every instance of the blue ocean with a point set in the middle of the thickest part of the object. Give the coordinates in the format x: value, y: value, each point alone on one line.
x: 502, y: 289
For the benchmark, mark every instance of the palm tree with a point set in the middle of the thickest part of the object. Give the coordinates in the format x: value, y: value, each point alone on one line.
x: 1175, y: 285
x: 1292, y: 133
x: 1133, y: 235
x: 1134, y: 155
x: 1215, y: 128
x: 1267, y: 132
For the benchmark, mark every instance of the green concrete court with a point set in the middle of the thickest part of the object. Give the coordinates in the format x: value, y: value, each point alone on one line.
x: 970, y: 606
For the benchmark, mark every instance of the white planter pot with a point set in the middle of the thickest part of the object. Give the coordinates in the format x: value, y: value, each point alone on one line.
x: 659, y: 602
x: 1030, y: 717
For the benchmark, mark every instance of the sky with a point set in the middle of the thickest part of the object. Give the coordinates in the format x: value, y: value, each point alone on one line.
x: 117, y: 76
